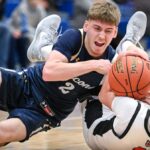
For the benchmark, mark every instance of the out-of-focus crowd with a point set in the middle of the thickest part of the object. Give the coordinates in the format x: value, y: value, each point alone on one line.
x: 19, y: 19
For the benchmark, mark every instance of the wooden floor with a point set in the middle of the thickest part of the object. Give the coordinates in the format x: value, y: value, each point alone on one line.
x: 67, y: 137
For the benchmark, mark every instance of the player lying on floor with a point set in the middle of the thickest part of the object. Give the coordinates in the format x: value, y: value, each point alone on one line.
x: 123, y: 126
x: 93, y: 110
x: 38, y: 98
x: 113, y: 122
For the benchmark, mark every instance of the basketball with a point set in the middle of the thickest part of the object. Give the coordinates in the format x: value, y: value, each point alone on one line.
x: 130, y: 76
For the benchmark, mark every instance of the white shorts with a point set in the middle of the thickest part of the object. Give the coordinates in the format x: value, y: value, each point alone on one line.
x: 127, y: 127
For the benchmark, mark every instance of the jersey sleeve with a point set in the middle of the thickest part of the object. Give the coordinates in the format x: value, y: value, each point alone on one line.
x: 124, y: 109
x: 68, y: 43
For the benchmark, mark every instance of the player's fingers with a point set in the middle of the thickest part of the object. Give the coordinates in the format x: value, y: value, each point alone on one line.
x: 141, y: 54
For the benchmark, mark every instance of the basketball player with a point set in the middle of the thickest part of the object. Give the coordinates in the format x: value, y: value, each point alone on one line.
x: 123, y: 125
x: 115, y: 122
x: 40, y: 97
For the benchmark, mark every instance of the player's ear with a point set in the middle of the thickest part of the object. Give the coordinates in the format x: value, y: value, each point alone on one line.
x: 115, y: 32
x: 85, y: 25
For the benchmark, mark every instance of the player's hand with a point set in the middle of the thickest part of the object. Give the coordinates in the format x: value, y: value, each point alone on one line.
x: 135, y: 52
x: 103, y: 66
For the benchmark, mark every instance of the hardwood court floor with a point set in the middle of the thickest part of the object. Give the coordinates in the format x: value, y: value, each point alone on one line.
x: 67, y: 137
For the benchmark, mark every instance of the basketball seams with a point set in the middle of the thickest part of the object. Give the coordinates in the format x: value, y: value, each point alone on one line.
x: 146, y: 85
x: 118, y: 82
x: 138, y: 90
x: 131, y: 90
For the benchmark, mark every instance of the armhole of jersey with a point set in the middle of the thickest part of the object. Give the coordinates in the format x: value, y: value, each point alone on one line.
x: 76, y: 54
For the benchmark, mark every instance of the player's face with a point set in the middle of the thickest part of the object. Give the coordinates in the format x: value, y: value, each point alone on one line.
x: 98, y: 36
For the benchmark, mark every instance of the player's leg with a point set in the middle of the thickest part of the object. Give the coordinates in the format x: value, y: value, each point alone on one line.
x: 24, y: 122
x: 12, y: 130
x: 26, y: 117
x: 135, y: 29
x: 45, y: 36
x: 134, y: 32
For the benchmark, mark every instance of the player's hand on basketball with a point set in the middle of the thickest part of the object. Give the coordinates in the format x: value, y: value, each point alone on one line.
x: 135, y: 52
x: 103, y: 66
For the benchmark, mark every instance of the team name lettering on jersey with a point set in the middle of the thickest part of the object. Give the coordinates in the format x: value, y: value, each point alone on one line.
x: 82, y: 83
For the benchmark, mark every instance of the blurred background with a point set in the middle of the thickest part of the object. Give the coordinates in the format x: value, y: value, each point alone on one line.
x: 19, y: 18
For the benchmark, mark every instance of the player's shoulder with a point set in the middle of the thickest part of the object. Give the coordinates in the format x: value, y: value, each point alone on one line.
x: 71, y: 38
x: 72, y: 34
x: 73, y: 31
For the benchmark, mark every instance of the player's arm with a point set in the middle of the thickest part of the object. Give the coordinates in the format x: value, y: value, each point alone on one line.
x: 106, y: 96
x: 133, y: 50
x: 118, y: 105
x: 57, y: 67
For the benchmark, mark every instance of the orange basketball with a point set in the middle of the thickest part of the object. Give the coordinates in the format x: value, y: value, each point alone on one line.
x: 130, y: 76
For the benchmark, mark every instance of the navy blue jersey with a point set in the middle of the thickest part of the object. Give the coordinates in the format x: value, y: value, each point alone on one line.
x: 62, y: 95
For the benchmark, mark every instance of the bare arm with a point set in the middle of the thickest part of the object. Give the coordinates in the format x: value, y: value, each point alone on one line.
x: 135, y: 51
x: 106, y: 96
x: 57, y: 67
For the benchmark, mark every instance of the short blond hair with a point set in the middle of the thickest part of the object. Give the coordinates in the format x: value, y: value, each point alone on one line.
x: 105, y: 11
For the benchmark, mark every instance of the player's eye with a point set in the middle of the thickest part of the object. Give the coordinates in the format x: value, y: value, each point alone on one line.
x: 108, y: 31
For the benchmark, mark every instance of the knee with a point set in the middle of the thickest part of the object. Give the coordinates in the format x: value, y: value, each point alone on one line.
x: 12, y: 130
x: 5, y: 135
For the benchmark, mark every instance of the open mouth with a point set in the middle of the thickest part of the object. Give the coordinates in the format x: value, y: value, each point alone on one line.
x: 99, y: 44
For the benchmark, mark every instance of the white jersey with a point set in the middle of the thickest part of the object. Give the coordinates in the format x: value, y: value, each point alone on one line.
x: 126, y: 127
